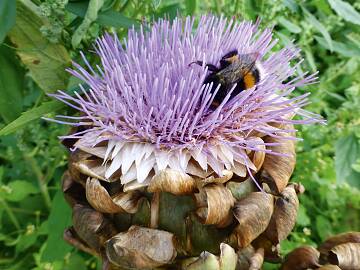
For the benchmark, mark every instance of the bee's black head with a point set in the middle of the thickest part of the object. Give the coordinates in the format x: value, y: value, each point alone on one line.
x: 229, y: 58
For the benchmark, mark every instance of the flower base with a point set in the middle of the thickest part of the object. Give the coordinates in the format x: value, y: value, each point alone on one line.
x: 170, y: 223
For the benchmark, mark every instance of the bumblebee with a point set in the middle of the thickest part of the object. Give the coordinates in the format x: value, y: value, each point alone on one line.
x: 244, y: 70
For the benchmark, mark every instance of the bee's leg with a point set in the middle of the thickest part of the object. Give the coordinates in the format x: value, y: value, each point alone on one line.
x: 210, y: 67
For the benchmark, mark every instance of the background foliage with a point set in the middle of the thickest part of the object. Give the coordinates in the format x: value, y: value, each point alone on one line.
x: 39, y: 37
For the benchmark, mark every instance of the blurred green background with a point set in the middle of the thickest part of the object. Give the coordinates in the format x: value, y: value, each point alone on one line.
x: 33, y: 213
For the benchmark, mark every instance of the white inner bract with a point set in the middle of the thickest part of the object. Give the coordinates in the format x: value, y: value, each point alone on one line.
x: 140, y: 162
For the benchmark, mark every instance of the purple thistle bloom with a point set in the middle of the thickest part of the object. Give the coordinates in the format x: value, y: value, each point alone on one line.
x: 147, y: 101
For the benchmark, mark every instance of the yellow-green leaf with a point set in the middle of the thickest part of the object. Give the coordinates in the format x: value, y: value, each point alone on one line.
x: 37, y: 112
x: 31, y: 115
x: 46, y: 61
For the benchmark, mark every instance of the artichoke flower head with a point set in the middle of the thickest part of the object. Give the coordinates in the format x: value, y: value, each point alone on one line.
x: 149, y: 113
x: 163, y: 169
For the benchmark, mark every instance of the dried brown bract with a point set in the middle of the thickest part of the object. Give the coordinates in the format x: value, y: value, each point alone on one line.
x: 99, y: 198
x: 92, y: 227
x: 257, y: 260
x: 284, y: 218
x: 172, y: 181
x: 253, y: 214
x: 73, y: 239
x: 214, y: 179
x: 331, y: 242
x: 271, y: 250
x: 301, y: 258
x: 141, y: 248
x: 73, y: 191
x: 214, y: 205
x: 258, y: 156
x: 346, y: 256
x: 278, y: 169
x: 329, y: 267
x: 244, y: 257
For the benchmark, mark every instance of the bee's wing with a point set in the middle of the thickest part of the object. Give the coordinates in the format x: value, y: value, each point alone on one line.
x: 247, y: 62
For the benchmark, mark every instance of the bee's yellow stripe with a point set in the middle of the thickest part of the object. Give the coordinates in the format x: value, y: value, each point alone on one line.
x: 232, y: 59
x: 249, y: 80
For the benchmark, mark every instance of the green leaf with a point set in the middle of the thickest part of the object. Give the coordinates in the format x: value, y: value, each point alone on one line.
x: 76, y: 262
x: 107, y: 18
x: 46, y: 61
x: 345, y: 10
x: 59, y: 219
x: 108, y: 4
x: 323, y: 6
x: 17, y: 190
x: 116, y: 19
x: 19, y: 263
x: 356, y: 166
x: 323, y: 227
x: 354, y: 38
x: 44, y: 228
x: 7, y: 17
x: 11, y: 85
x: 354, y: 179
x: 319, y: 26
x: 248, y: 9
x: 310, y: 59
x: 291, y: 4
x: 1, y: 174
x: 170, y: 11
x: 190, y: 7
x: 156, y: 3
x: 26, y: 240
x: 302, y: 217
x: 270, y: 266
x: 38, y: 112
x: 289, y: 25
x: 31, y: 115
x: 347, y: 151
x: 347, y: 50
